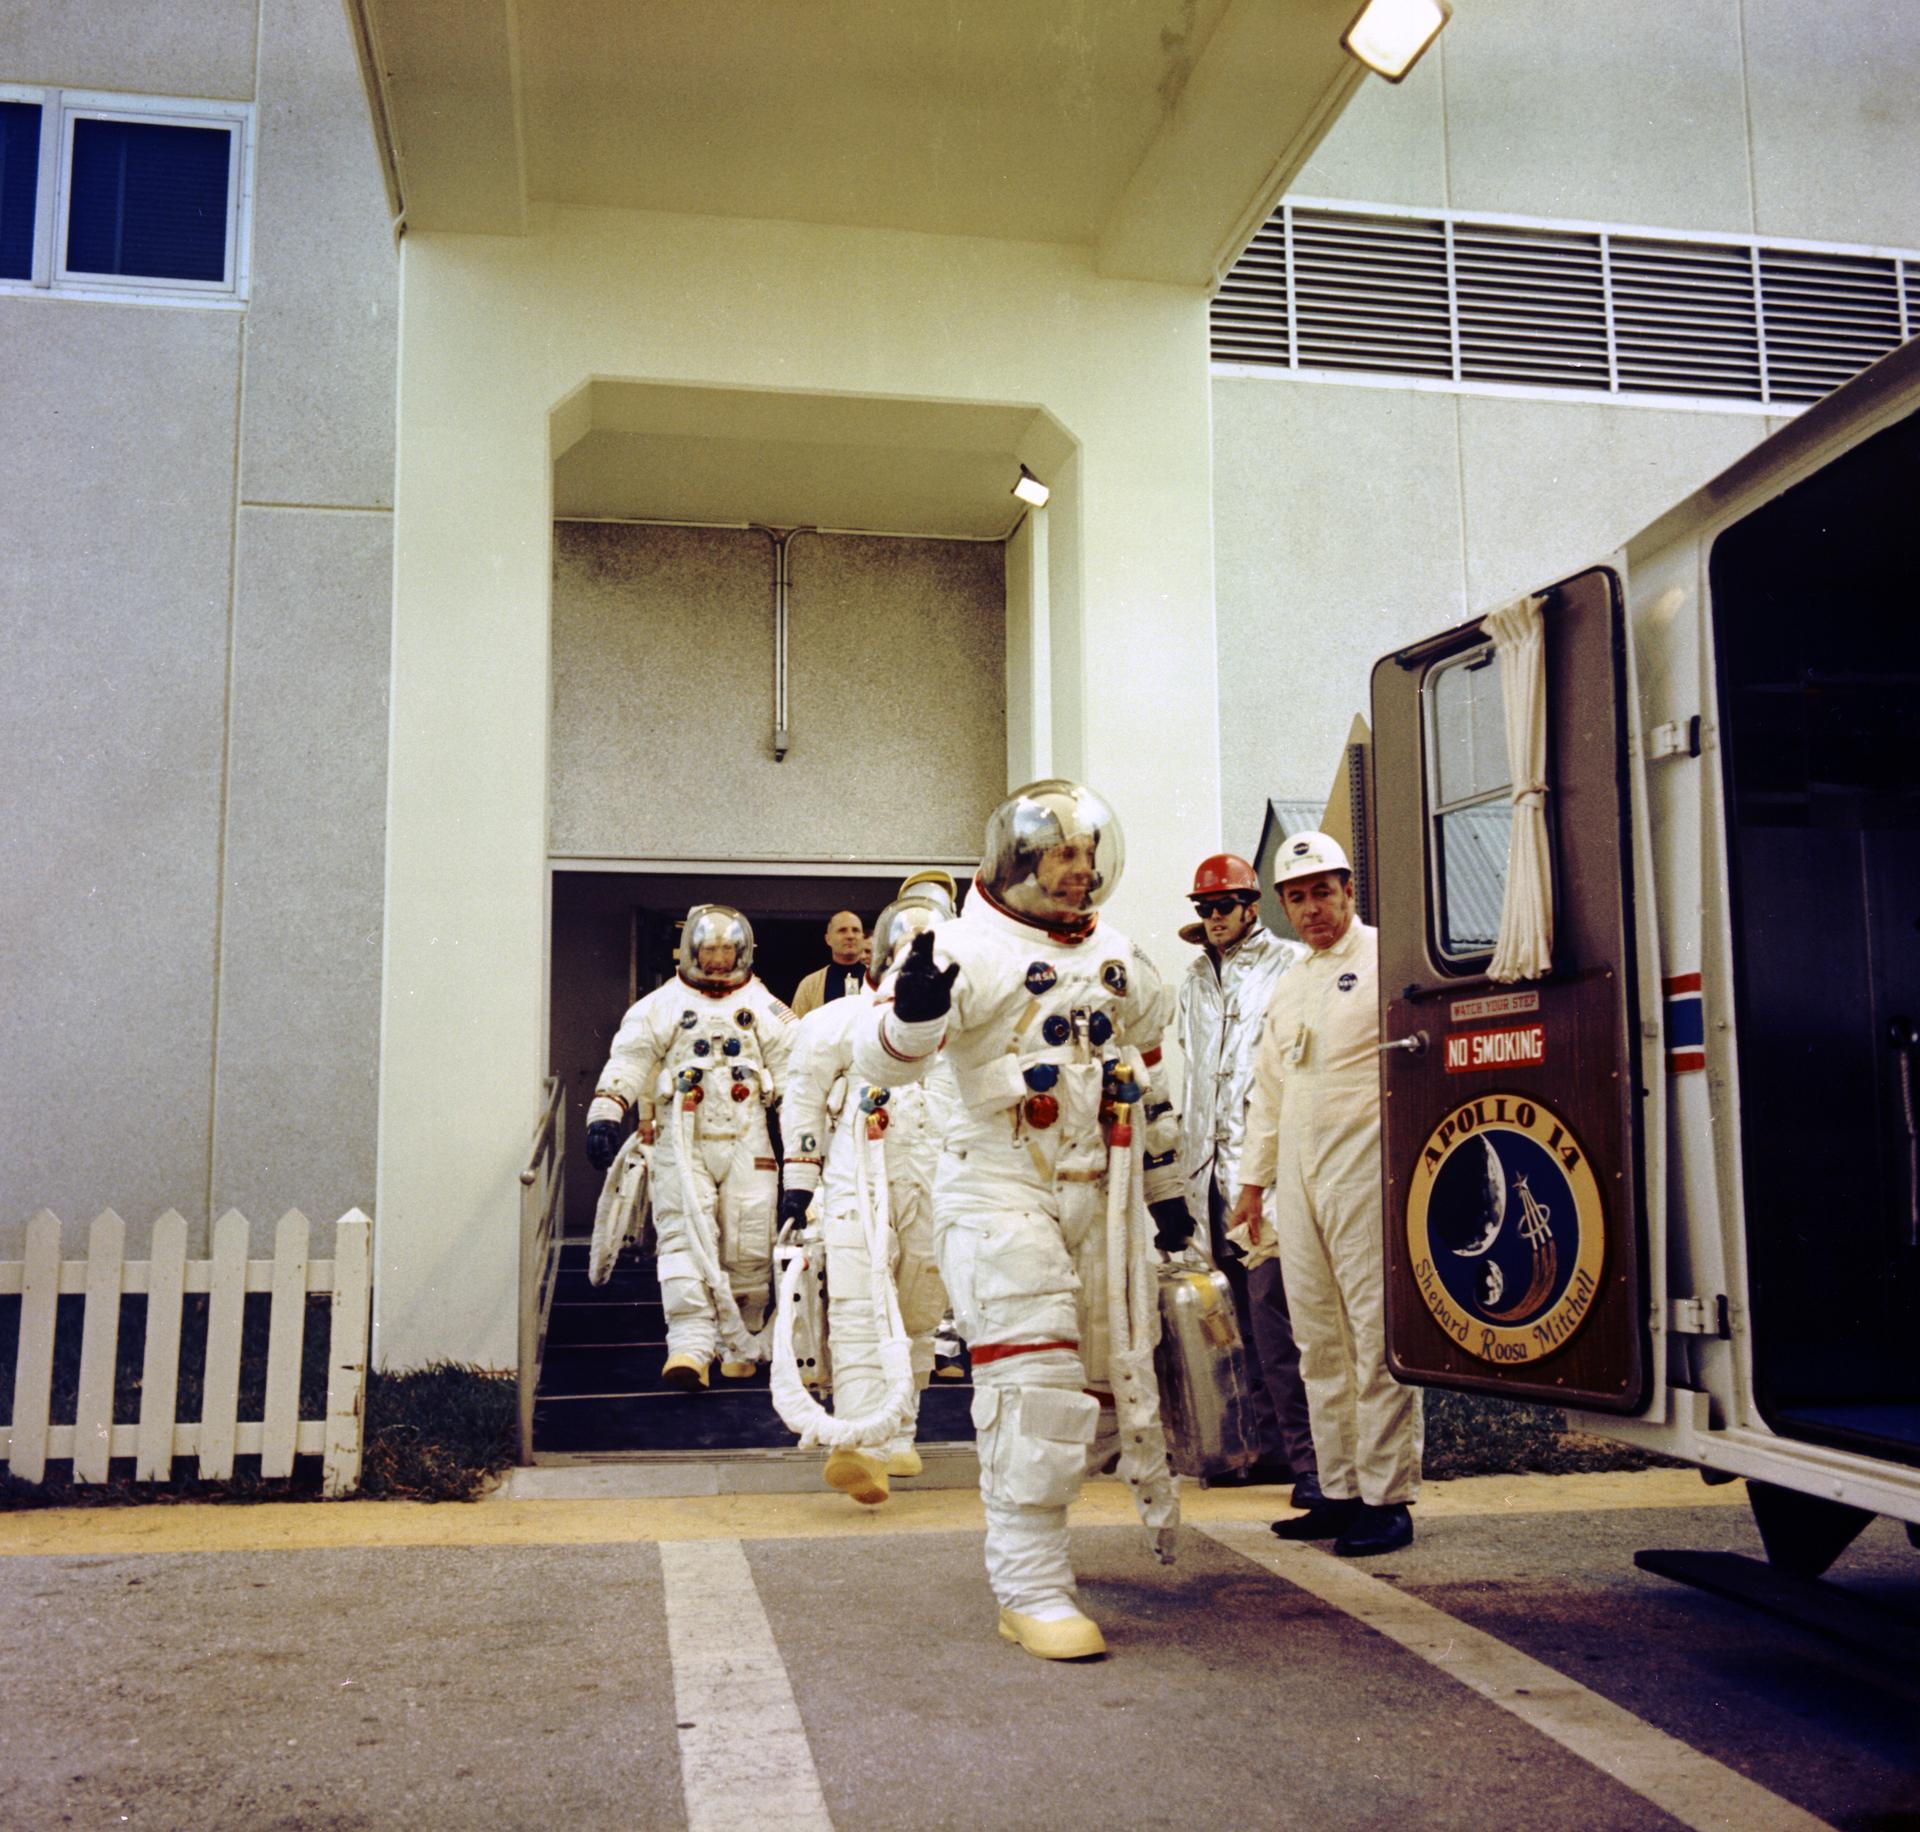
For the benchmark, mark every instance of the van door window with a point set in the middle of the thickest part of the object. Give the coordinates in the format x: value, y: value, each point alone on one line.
x: 1469, y: 805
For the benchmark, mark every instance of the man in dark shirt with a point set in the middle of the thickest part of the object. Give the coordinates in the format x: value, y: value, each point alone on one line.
x: 846, y: 972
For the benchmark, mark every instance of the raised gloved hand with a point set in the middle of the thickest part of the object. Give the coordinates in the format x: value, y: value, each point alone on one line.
x: 922, y: 990
x: 793, y: 1208
x: 1172, y: 1223
x: 603, y: 1142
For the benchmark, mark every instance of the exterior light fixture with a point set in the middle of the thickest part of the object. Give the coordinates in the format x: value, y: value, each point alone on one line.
x: 1388, y: 36
x: 1030, y: 489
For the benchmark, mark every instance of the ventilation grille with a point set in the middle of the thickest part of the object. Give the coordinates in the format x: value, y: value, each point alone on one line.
x: 1462, y: 299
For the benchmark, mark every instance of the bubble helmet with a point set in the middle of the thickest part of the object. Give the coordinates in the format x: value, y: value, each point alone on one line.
x: 713, y: 927
x: 1054, y: 852
x: 936, y: 887
x: 894, y: 928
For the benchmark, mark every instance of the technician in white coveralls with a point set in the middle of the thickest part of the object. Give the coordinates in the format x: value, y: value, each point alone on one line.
x: 1313, y: 1134
x: 699, y: 1061
x: 826, y: 1118
x: 1052, y: 1023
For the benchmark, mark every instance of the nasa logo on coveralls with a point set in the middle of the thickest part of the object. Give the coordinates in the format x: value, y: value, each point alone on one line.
x: 688, y: 1020
x: 1113, y: 976
x: 1040, y: 978
x: 744, y: 1018
x: 1506, y: 1228
x: 1347, y: 981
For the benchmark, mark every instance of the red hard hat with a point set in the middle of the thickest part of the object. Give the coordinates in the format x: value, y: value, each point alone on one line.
x: 1223, y: 874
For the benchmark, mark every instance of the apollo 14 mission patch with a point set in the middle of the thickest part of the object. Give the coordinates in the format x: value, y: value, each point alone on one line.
x: 1506, y: 1229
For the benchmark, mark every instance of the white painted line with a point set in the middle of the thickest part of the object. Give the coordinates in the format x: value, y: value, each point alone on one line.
x: 745, y: 1763
x: 1695, y: 1789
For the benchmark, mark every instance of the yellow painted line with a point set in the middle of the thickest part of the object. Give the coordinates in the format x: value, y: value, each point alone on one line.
x: 297, y: 1526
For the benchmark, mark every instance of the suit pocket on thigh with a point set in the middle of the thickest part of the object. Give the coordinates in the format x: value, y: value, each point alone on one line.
x: 1033, y: 1442
x: 1018, y: 1268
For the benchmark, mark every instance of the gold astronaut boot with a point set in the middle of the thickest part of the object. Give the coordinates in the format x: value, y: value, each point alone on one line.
x: 687, y: 1372
x: 904, y: 1461
x: 857, y: 1473
x: 1070, y: 1637
x: 739, y: 1370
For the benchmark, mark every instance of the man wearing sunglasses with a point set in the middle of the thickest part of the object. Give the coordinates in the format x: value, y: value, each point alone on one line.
x: 1223, y: 1002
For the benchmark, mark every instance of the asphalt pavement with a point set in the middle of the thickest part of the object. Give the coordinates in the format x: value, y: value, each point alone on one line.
x: 732, y: 1659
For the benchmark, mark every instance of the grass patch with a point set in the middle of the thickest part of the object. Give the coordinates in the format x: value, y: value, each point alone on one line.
x: 439, y: 1433
x: 1470, y: 1435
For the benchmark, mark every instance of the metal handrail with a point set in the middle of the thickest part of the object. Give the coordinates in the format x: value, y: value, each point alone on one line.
x: 541, y: 1184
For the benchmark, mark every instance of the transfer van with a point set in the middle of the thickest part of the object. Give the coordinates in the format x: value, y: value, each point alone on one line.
x: 1665, y: 1175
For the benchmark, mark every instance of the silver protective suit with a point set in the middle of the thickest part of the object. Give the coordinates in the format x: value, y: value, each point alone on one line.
x: 1021, y: 1216
x: 1220, y: 1013
x: 825, y: 1117
x: 678, y: 1059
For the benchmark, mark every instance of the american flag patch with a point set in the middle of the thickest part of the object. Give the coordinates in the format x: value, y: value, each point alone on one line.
x: 1686, y: 1024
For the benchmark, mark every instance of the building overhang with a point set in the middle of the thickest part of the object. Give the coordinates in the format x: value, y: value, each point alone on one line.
x: 1158, y: 134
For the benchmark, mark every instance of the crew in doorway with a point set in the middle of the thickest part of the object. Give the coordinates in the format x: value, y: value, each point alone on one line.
x: 714, y: 1043
x: 846, y: 972
x: 870, y: 1153
x: 1061, y: 1146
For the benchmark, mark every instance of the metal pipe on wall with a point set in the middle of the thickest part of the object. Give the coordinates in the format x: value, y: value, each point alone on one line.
x: 782, y: 539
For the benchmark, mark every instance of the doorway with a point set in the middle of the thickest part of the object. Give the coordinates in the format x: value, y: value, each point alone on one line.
x: 614, y: 936
x: 1819, y: 662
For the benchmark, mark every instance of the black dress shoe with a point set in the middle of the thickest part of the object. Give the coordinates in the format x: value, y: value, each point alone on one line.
x: 1326, y: 1520
x: 1262, y: 1471
x: 1306, y: 1492
x: 1376, y: 1530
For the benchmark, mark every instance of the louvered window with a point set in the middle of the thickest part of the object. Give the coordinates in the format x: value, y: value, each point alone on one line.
x: 1482, y: 302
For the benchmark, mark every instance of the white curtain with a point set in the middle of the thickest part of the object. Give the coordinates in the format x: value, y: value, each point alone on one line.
x: 1525, y: 948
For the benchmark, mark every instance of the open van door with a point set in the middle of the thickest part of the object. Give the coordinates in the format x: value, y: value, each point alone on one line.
x: 1515, y: 1240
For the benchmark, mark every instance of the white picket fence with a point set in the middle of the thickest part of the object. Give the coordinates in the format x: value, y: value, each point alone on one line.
x: 31, y: 1439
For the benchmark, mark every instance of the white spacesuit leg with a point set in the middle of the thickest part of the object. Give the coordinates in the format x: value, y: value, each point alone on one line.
x: 858, y: 1385
x: 692, y: 1328
x: 923, y: 1302
x: 1014, y: 1291
x: 749, y: 1190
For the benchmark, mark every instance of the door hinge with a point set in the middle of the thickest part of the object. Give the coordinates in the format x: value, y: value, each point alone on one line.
x: 1701, y: 1317
x: 1676, y: 738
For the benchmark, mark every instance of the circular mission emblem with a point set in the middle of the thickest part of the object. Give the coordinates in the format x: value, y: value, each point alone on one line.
x: 1506, y: 1228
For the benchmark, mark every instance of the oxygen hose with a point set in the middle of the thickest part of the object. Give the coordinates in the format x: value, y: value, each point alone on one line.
x: 799, y: 1411
x: 1131, y: 1314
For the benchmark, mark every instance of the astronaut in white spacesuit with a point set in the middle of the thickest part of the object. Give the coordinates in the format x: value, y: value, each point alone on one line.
x: 827, y: 1121
x: 1061, y: 1144
x: 699, y: 1061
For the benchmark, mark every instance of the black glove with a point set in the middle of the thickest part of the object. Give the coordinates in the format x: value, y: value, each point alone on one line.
x: 603, y: 1142
x: 1172, y: 1223
x: 922, y: 990
x: 793, y: 1208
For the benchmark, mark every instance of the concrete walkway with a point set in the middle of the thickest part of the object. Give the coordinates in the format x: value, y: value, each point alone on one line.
x: 775, y: 1660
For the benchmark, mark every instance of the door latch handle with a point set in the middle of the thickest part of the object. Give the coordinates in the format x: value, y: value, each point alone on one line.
x: 1416, y: 1045
x: 1903, y: 1038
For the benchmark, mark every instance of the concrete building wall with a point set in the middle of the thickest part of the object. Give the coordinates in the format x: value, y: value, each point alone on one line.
x: 195, y: 568
x: 939, y: 321
x: 1349, y: 519
x: 663, y: 695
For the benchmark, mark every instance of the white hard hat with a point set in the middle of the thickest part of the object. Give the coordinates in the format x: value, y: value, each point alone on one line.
x: 1307, y: 855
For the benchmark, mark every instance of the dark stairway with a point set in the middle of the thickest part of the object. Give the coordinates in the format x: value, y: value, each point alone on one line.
x: 600, y: 1393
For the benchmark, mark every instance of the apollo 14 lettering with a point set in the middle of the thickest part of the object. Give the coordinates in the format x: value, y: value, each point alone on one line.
x: 1506, y: 1229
